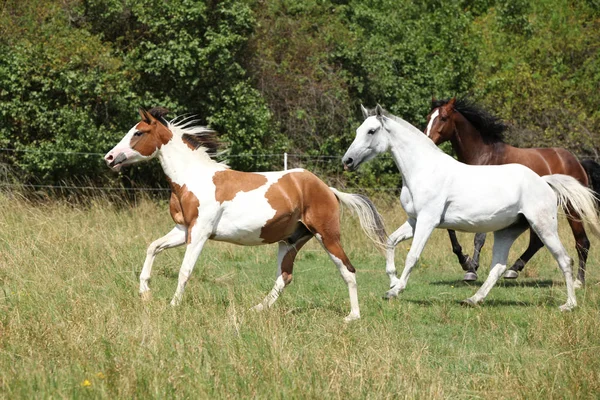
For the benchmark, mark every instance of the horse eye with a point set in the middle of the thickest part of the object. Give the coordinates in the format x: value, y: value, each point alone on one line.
x: 371, y: 132
x: 138, y: 133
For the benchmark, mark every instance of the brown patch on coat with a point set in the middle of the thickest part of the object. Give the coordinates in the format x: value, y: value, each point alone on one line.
x: 301, y: 197
x: 151, y: 134
x: 183, y: 206
x: 229, y: 183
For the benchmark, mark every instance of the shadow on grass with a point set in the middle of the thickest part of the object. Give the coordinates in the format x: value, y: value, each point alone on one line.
x: 486, y: 303
x: 457, y: 283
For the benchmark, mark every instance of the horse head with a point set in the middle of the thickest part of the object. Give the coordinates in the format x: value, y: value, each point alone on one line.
x: 371, y: 139
x: 143, y: 141
x: 440, y: 122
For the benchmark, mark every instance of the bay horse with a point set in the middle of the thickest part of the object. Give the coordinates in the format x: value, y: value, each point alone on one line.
x: 210, y: 201
x: 437, y: 193
x: 477, y: 139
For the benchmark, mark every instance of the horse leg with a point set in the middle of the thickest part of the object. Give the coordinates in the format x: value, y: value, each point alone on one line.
x: 172, y: 239
x: 197, y: 236
x: 547, y: 230
x: 472, y: 264
x: 331, y: 244
x: 503, y: 240
x: 582, y: 244
x: 405, y: 232
x: 285, y: 266
x: 534, y: 245
x: 422, y: 231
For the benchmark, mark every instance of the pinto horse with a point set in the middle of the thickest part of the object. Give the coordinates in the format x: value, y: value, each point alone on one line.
x: 210, y: 201
x: 436, y: 193
x: 477, y: 139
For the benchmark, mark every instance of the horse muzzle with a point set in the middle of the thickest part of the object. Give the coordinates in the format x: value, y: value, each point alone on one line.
x: 349, y: 164
x: 115, y: 162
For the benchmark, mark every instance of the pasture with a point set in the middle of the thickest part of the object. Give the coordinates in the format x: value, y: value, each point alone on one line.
x: 73, y: 326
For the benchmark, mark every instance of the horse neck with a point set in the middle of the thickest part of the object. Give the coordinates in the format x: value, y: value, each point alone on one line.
x: 178, y: 160
x: 412, y: 151
x: 469, y: 146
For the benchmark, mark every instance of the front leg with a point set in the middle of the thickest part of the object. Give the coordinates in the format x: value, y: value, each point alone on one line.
x: 172, y: 239
x: 405, y: 232
x: 422, y: 232
x: 197, y: 236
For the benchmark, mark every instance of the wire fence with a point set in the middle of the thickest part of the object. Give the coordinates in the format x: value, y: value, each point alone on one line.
x: 286, y: 160
x: 285, y: 157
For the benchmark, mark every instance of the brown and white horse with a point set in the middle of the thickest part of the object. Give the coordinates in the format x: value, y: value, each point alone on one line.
x: 211, y: 201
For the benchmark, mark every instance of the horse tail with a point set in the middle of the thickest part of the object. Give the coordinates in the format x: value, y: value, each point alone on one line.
x: 592, y: 169
x: 575, y: 198
x: 370, y: 219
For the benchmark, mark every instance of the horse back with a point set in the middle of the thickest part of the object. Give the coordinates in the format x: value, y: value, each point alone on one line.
x: 548, y: 161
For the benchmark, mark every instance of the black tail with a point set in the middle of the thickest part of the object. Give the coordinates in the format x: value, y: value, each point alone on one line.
x: 592, y: 169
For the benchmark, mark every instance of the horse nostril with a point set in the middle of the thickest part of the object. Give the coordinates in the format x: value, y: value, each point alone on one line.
x: 349, y: 161
x: 109, y: 157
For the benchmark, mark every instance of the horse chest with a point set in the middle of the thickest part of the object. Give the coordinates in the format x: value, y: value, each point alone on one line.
x: 406, y: 199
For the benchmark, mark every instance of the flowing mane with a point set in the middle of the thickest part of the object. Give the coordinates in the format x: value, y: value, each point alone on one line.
x: 192, y: 134
x: 195, y: 135
x: 489, y: 126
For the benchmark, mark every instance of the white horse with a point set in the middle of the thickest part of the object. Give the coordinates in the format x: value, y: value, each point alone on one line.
x: 211, y: 201
x: 438, y: 192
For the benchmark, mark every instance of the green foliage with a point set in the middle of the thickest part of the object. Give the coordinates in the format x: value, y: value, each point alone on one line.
x: 544, y: 83
x: 285, y: 75
x: 60, y: 90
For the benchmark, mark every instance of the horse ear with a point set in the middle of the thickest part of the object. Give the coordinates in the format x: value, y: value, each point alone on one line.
x: 146, y: 117
x: 378, y: 111
x: 452, y: 102
x: 365, y: 112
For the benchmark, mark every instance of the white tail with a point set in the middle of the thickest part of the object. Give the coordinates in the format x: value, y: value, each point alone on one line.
x: 370, y: 219
x: 576, y: 199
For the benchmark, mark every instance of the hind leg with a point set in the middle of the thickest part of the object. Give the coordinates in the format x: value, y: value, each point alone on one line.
x: 285, y: 266
x: 503, y: 240
x: 172, y: 239
x: 534, y: 245
x: 582, y: 244
x: 332, y: 245
x: 546, y: 228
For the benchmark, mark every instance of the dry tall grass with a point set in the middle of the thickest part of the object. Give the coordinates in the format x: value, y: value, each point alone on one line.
x: 72, y: 324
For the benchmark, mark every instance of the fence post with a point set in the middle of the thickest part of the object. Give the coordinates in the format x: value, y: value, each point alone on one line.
x: 285, y: 161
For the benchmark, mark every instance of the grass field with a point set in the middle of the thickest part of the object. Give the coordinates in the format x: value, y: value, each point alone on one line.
x: 73, y: 326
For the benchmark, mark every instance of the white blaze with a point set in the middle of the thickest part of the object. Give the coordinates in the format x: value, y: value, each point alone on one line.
x: 430, y: 124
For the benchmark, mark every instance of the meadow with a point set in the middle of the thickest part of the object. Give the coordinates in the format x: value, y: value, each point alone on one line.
x: 73, y: 326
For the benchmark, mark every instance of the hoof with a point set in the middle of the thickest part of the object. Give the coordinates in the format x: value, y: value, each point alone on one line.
x: 389, y: 295
x: 578, y: 284
x: 351, y: 317
x: 566, y: 307
x: 146, y: 296
x: 469, y: 303
x: 470, y: 276
x: 511, y: 274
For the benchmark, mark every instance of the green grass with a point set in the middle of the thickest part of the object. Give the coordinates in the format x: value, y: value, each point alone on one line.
x: 72, y: 324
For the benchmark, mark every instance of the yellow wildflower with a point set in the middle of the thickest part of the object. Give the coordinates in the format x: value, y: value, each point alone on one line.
x: 86, y: 383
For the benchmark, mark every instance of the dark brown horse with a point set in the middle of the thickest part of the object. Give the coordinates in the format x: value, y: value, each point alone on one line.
x: 477, y: 139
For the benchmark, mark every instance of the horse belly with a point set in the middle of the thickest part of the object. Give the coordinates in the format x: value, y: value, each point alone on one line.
x: 242, y: 222
x: 479, y: 219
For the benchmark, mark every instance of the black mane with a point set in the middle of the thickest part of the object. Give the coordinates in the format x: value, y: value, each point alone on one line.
x: 489, y: 126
